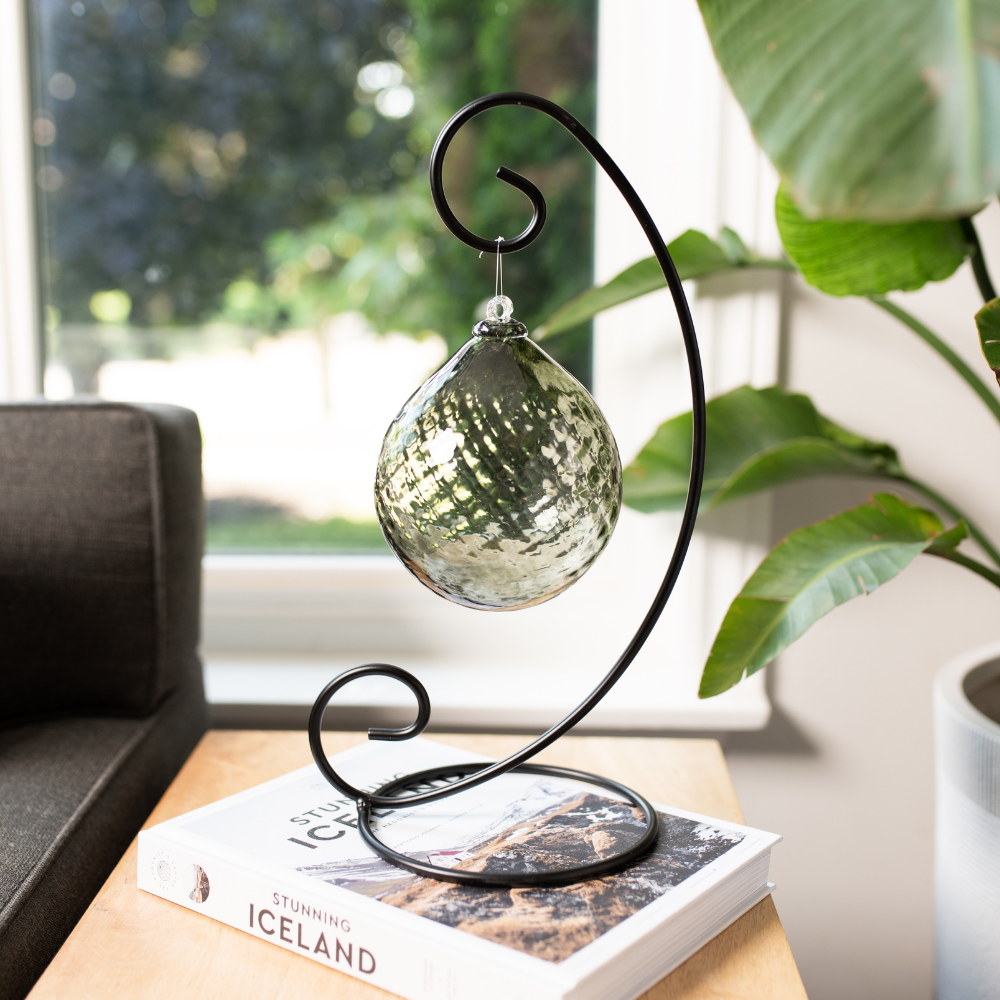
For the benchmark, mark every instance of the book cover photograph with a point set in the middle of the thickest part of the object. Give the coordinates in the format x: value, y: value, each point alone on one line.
x: 555, y: 922
x: 285, y: 862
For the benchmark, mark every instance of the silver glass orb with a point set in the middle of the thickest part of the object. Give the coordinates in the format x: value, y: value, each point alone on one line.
x: 499, y: 482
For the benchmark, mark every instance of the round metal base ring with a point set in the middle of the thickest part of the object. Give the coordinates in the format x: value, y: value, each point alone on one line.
x: 510, y: 880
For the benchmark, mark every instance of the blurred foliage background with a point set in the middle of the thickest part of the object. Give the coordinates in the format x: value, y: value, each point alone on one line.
x: 263, y: 162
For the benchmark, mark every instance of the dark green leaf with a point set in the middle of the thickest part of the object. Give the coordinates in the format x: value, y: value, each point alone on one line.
x: 811, y: 572
x: 694, y: 254
x: 875, y: 109
x: 864, y: 258
x: 757, y: 439
x: 988, y: 324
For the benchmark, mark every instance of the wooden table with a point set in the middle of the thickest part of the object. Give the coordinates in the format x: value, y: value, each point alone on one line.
x: 130, y: 944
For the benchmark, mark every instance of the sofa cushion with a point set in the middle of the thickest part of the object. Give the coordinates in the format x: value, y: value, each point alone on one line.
x: 73, y: 793
x: 100, y: 545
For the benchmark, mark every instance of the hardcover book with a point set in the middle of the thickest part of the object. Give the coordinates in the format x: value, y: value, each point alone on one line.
x: 285, y: 863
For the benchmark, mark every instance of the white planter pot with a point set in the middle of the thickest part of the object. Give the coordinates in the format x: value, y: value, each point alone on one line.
x: 967, y: 836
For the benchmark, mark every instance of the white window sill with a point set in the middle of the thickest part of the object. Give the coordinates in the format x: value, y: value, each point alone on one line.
x: 279, y: 628
x: 464, y: 698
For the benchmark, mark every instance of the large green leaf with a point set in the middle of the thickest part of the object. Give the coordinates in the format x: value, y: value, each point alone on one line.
x: 757, y: 439
x: 867, y: 258
x: 988, y: 324
x: 812, y: 571
x: 694, y: 254
x: 874, y: 109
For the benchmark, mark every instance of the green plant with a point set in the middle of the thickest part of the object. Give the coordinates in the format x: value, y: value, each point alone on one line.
x: 385, y: 252
x: 221, y: 160
x: 878, y: 117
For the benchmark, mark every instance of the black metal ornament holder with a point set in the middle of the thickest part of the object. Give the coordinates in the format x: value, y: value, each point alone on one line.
x: 441, y: 782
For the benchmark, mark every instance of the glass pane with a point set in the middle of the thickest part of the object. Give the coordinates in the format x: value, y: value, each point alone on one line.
x: 235, y: 217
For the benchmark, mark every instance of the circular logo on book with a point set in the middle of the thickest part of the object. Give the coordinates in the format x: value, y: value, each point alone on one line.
x: 201, y: 887
x: 164, y: 870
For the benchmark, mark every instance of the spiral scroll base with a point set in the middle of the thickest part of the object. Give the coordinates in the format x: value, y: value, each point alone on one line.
x: 470, y: 775
x: 439, y: 782
x: 512, y: 879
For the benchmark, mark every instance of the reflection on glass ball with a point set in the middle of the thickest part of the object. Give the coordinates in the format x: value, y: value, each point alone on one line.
x: 499, y: 482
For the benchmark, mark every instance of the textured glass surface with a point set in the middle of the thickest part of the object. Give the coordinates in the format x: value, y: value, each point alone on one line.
x: 499, y: 483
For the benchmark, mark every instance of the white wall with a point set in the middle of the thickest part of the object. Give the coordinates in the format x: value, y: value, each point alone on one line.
x: 844, y: 771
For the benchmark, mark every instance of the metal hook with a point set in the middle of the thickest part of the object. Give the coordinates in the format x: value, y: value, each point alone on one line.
x: 699, y: 430
x: 505, y: 174
x: 469, y: 776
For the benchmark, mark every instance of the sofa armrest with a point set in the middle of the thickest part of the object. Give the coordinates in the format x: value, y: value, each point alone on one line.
x: 101, y: 534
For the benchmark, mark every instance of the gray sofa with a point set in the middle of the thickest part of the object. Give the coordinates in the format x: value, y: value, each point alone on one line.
x: 101, y: 526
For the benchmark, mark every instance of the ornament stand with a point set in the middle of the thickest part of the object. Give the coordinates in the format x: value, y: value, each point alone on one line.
x: 438, y: 783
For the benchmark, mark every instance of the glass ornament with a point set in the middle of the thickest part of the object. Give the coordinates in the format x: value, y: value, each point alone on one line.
x: 499, y: 482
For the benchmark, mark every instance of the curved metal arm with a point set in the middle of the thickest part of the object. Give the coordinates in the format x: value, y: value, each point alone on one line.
x: 697, y: 438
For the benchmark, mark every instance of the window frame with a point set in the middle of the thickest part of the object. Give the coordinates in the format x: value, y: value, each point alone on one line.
x: 20, y: 298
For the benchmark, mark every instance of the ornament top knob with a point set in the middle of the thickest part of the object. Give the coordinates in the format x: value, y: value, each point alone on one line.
x: 500, y: 323
x: 499, y: 309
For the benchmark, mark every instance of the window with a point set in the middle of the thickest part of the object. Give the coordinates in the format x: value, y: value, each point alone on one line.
x: 233, y: 215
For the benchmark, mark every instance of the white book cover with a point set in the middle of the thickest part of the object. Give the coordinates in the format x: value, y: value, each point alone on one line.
x: 284, y: 862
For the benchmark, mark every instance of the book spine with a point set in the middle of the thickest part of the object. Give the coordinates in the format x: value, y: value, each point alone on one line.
x: 332, y: 932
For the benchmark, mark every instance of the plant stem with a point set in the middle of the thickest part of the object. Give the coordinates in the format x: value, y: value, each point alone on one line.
x: 949, y: 508
x: 981, y: 389
x: 978, y: 261
x: 977, y: 567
